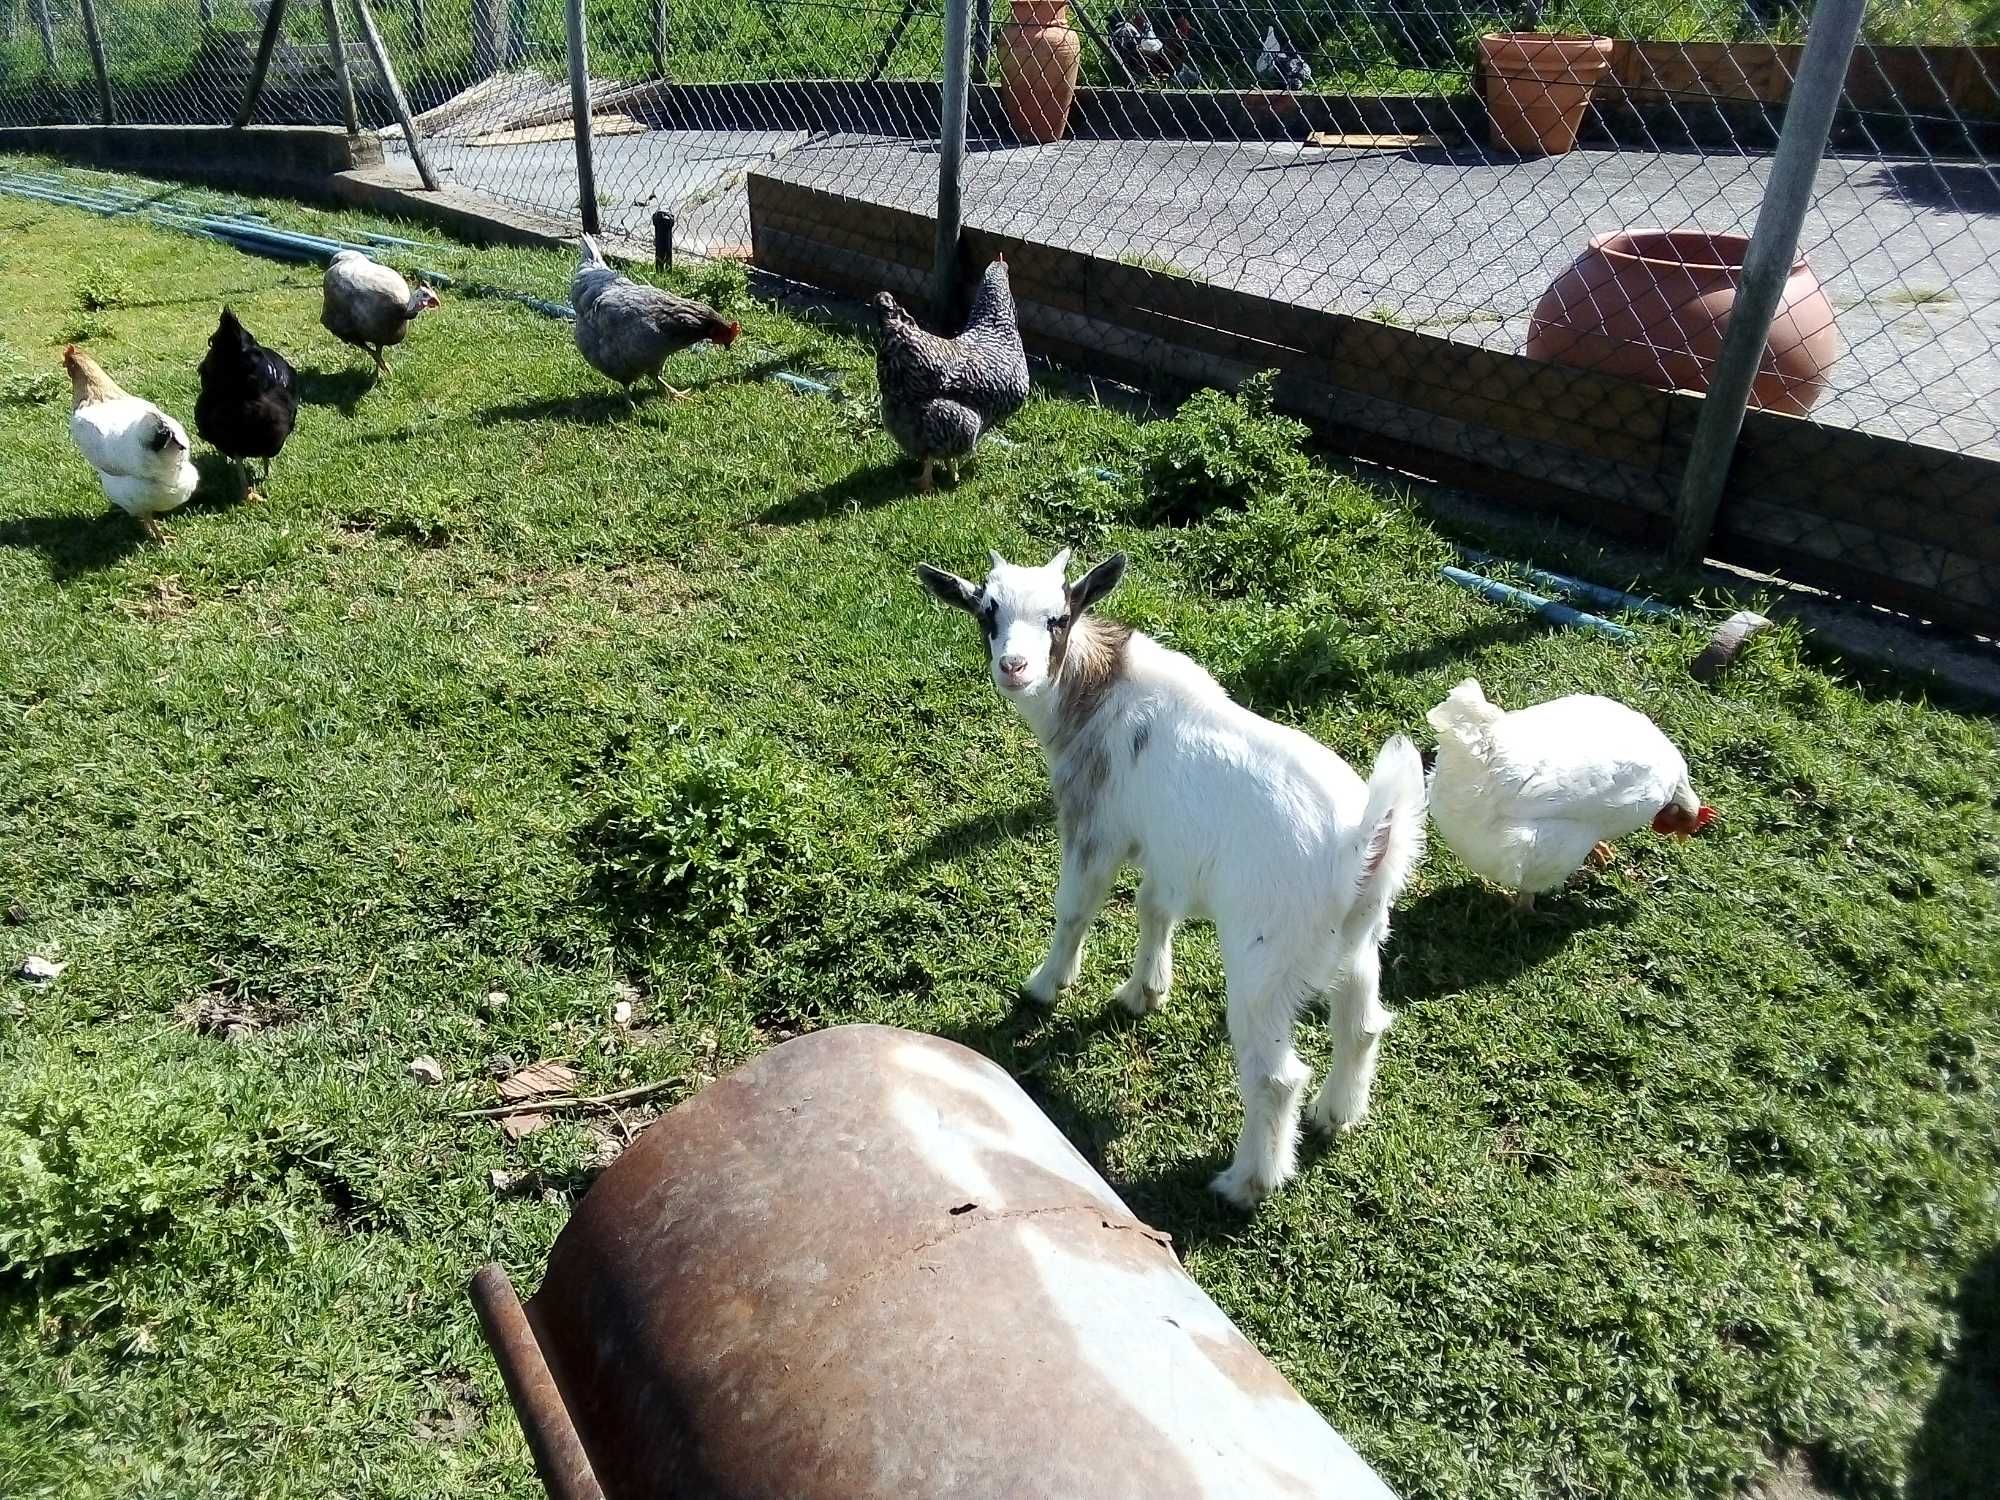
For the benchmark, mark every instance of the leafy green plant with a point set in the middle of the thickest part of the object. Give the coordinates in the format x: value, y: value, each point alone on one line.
x: 31, y: 387
x: 87, y: 1170
x: 695, y: 841
x: 101, y: 290
x: 722, y: 284
x: 1220, y: 450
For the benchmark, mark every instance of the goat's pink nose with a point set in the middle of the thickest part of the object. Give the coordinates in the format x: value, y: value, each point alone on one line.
x: 1013, y: 666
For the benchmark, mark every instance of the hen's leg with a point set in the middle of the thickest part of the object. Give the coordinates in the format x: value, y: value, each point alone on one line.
x: 1601, y: 854
x: 250, y: 494
x: 153, y: 531
x: 926, y: 482
x: 1524, y: 901
x: 381, y: 362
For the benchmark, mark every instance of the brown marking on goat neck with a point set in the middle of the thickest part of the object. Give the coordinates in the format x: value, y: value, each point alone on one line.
x: 1087, y: 659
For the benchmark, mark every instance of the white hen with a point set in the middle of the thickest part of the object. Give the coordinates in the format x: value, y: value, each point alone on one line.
x: 139, y: 452
x: 1524, y: 798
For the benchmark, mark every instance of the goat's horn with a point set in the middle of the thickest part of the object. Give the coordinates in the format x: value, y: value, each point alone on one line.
x: 1060, y: 561
x: 996, y: 559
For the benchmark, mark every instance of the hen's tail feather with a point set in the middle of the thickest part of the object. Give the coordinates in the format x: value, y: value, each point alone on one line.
x: 1465, y: 716
x: 1390, y: 839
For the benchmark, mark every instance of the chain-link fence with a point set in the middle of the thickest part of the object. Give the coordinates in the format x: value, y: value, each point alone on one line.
x: 1431, y: 168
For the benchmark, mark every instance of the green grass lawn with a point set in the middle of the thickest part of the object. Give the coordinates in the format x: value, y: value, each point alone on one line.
x: 507, y: 689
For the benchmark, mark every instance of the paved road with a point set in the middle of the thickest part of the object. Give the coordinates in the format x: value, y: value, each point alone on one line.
x: 1455, y: 241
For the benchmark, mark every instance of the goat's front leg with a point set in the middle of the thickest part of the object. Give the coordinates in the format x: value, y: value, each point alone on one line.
x: 1153, y: 964
x: 1086, y: 881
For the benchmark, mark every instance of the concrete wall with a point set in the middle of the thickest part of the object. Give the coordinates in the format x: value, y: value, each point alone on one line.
x: 294, y: 159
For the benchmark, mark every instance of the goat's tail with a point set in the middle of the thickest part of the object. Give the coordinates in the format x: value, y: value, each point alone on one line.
x: 1390, y: 840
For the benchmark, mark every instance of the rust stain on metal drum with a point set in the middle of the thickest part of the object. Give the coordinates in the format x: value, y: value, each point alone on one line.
x: 866, y: 1266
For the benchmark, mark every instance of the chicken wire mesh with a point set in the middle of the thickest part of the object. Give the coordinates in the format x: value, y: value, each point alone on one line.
x: 1340, y: 156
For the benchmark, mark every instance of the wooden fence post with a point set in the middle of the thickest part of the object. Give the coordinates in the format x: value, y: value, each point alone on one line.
x: 274, y: 21
x: 94, y: 40
x: 372, y: 36
x: 343, y: 79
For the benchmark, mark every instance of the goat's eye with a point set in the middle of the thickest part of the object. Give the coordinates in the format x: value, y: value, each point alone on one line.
x: 1057, y: 622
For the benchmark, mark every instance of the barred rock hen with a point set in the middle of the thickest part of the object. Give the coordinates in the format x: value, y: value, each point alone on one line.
x: 249, y: 398
x: 368, y: 305
x: 939, y: 394
x: 140, y: 454
x: 628, y: 331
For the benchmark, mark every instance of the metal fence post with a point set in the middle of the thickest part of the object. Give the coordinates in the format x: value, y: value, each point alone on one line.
x: 982, y: 40
x: 45, y: 24
x: 579, y: 102
x: 1766, y: 267
x: 660, y: 38
x: 336, y: 40
x: 94, y: 40
x: 952, y: 102
x: 372, y: 36
x: 489, y: 37
x: 207, y: 9
x: 274, y: 21
x: 420, y: 27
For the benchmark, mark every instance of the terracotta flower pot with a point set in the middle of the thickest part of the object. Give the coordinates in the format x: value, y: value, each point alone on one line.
x: 1537, y: 87
x: 1653, y: 306
x: 1038, y: 63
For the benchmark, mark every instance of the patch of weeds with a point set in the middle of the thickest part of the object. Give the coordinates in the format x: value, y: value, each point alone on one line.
x: 1159, y: 266
x: 90, y: 1166
x: 82, y: 329
x: 1382, y: 312
x: 695, y: 841
x: 1921, y: 296
x: 1077, y: 506
x: 32, y: 387
x: 101, y: 289
x: 723, y: 284
x: 1220, y: 450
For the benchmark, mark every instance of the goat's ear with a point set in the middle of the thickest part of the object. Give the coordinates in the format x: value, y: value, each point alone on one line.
x: 1095, y: 584
x: 949, y: 587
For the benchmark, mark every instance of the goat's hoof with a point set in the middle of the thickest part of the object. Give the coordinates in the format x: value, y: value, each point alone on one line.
x: 1242, y: 1187
x: 1138, y: 999
x: 1325, y: 1116
x: 1039, y: 989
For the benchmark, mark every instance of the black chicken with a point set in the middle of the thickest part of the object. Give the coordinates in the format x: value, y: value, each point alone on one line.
x: 249, y: 399
x: 939, y: 394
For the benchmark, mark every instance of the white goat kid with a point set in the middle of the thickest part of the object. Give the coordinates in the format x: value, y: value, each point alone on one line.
x: 1257, y: 827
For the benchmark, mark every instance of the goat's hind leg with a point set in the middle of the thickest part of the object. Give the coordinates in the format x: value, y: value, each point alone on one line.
x: 1356, y: 1022
x: 1085, y: 882
x: 1153, y: 964
x: 1270, y: 1077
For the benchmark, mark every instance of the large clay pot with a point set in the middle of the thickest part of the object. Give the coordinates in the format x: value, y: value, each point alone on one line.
x: 1537, y: 87
x: 1652, y: 306
x: 1038, y: 62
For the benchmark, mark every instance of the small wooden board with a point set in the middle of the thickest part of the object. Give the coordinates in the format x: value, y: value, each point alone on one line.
x: 1365, y: 142
x: 561, y: 130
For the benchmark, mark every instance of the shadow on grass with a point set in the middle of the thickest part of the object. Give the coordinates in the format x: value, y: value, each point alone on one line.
x: 74, y: 545
x: 976, y: 832
x: 864, y: 489
x: 341, y: 389
x: 601, y: 406
x: 1953, y: 1455
x: 1452, y: 939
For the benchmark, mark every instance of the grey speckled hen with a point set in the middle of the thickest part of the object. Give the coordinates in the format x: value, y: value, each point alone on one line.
x: 368, y: 305
x: 628, y: 330
x: 939, y: 394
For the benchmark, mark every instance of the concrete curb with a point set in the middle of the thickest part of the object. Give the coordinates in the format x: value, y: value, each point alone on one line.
x: 289, y: 159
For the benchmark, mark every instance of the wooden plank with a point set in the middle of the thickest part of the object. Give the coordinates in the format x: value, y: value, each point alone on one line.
x: 1975, y: 82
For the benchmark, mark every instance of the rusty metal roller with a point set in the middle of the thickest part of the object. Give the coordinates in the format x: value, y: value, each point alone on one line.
x: 866, y: 1265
